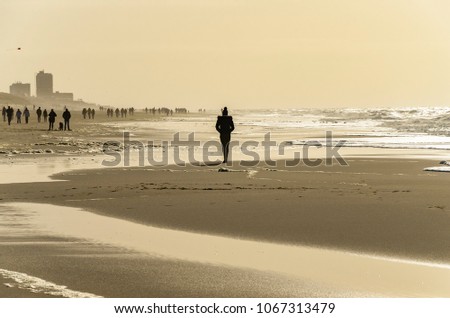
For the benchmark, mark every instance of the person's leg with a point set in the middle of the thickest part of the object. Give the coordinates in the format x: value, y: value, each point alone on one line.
x: 225, y: 140
x: 227, y: 147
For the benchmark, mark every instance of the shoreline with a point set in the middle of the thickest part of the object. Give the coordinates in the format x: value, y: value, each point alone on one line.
x: 383, y: 206
x: 341, y: 270
x: 388, y: 208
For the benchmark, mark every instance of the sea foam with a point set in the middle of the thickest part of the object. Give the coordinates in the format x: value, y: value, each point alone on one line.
x: 40, y: 286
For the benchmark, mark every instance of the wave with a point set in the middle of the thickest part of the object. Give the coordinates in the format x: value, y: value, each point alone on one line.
x: 40, y: 286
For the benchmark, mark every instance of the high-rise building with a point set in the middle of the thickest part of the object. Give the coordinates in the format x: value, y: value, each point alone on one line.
x: 20, y: 89
x: 44, y: 84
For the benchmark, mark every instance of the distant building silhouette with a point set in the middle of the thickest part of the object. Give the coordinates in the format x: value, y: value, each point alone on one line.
x: 63, y: 96
x: 20, y: 89
x: 44, y: 84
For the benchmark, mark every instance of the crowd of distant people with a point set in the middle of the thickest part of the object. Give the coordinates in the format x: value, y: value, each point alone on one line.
x: 8, y: 114
x: 165, y: 111
x: 122, y: 112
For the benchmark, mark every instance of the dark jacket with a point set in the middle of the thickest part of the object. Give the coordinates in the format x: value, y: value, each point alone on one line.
x: 224, y: 124
x: 66, y: 115
x: 52, y: 115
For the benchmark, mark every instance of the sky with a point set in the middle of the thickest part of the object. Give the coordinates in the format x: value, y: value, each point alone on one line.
x: 242, y: 54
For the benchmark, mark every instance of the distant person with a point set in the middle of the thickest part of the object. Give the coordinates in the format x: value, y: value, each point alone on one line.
x: 93, y: 113
x: 39, y: 114
x: 225, y: 126
x: 117, y: 112
x: 45, y: 114
x: 89, y: 112
x: 10, y: 114
x: 84, y: 112
x: 4, y: 113
x: 51, y: 119
x: 19, y: 116
x: 26, y: 114
x: 66, y: 115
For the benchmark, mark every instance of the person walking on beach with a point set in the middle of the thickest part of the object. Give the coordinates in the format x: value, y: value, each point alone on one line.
x: 51, y: 119
x: 89, y: 112
x: 84, y: 112
x: 19, y: 116
x: 93, y: 113
x: 66, y: 115
x: 4, y: 113
x: 10, y: 114
x: 225, y: 126
x: 26, y: 114
x: 45, y: 114
x: 39, y: 114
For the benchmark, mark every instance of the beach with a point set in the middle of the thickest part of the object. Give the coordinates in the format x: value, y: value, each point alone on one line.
x: 376, y: 227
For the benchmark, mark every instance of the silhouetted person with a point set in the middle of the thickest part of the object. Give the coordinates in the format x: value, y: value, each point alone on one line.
x: 84, y: 112
x: 19, y: 116
x: 10, y: 114
x: 225, y: 126
x: 89, y: 111
x: 117, y: 112
x: 26, y: 114
x: 45, y: 114
x: 39, y: 114
x: 93, y: 113
x: 66, y: 115
x: 4, y: 113
x: 51, y: 119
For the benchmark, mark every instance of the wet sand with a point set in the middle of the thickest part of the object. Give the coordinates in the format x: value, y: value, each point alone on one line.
x: 387, y: 208
x: 113, y: 271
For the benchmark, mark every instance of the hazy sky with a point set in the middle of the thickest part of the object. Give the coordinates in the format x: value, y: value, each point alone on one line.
x: 254, y: 53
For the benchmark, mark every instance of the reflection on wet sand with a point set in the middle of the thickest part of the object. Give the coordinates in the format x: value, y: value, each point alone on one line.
x: 372, y: 274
